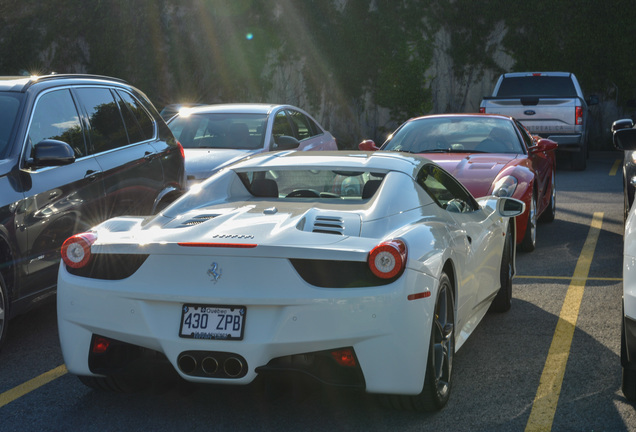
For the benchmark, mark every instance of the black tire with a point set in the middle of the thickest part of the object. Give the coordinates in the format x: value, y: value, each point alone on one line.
x: 503, y: 299
x: 437, y: 384
x: 529, y: 242
x: 549, y: 214
x: 115, y: 383
x: 628, y: 381
x: 579, y: 159
x: 4, y: 311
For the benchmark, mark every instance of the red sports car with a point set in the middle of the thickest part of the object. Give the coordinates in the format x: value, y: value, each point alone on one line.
x: 491, y: 155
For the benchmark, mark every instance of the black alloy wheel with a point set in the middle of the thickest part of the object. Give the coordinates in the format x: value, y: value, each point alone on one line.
x: 550, y: 213
x: 439, y: 366
x: 437, y: 386
x: 529, y: 242
x: 503, y: 299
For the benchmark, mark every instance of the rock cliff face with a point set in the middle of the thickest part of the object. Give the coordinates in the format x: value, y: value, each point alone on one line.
x: 175, y: 51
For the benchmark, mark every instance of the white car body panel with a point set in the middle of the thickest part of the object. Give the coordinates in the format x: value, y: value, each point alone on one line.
x: 629, y: 266
x: 286, y: 315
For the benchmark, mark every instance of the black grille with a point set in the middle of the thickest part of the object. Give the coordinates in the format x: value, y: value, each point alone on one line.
x: 337, y: 274
x: 110, y: 266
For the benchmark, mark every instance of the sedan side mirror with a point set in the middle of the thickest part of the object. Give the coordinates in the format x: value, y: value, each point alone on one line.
x: 285, y: 142
x: 368, y: 145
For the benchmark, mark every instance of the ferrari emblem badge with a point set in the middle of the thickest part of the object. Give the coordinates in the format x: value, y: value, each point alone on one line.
x: 214, y: 272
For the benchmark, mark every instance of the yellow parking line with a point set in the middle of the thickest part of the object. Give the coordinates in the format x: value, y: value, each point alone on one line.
x: 615, y: 167
x: 19, y: 391
x: 547, y: 397
x: 602, y: 279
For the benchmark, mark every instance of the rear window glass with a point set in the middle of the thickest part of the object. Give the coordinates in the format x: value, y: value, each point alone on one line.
x: 312, y: 184
x: 551, y: 86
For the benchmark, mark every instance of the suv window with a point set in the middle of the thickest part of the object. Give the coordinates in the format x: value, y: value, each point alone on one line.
x: 139, y: 124
x: 55, y: 117
x: 9, y: 108
x: 107, y: 129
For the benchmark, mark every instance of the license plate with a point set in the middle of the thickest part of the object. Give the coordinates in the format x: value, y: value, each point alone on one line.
x: 212, y: 322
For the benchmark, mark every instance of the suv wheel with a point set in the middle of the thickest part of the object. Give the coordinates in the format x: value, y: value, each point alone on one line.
x: 4, y: 310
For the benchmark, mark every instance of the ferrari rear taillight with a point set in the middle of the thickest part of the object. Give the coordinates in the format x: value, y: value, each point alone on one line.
x: 76, y: 250
x: 578, y: 115
x: 388, y: 259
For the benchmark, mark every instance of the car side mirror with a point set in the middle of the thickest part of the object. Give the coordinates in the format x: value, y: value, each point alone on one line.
x: 622, y: 124
x: 51, y: 152
x: 625, y: 139
x: 510, y: 207
x: 543, y: 145
x: 368, y: 145
x: 593, y: 100
x: 285, y: 142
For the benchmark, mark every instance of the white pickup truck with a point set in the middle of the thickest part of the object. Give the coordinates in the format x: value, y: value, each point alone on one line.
x: 548, y: 104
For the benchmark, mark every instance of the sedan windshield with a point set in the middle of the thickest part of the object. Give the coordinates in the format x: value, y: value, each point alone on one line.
x: 455, y: 134
x: 9, y: 108
x: 220, y: 130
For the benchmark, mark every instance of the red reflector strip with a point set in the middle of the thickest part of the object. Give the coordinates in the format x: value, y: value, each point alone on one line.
x: 419, y: 295
x: 225, y: 245
x: 344, y: 357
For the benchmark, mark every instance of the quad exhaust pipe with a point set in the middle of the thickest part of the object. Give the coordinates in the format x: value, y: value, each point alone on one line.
x: 210, y: 364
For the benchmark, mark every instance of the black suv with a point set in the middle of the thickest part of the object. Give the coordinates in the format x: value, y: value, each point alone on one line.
x: 75, y: 150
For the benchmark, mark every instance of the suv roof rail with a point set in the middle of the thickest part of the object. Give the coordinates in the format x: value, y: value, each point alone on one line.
x: 40, y: 78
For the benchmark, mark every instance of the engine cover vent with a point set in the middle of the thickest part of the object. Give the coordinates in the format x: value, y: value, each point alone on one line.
x: 329, y: 225
x: 331, y: 222
x: 199, y: 219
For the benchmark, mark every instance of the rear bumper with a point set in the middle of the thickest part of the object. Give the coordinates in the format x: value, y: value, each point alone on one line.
x: 285, y: 318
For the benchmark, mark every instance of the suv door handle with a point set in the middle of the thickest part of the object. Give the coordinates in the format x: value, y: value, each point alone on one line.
x: 91, y: 175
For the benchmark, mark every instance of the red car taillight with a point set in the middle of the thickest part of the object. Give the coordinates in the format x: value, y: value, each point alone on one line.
x: 181, y: 150
x: 388, y: 259
x: 76, y: 250
x: 482, y: 110
x: 578, y: 115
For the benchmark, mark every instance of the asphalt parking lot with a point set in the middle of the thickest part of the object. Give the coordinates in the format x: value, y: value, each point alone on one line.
x: 551, y: 363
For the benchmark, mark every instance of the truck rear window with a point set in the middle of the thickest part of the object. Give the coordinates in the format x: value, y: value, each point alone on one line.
x: 550, y: 86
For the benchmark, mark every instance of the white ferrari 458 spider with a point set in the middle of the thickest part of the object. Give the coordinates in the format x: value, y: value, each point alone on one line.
x: 359, y: 269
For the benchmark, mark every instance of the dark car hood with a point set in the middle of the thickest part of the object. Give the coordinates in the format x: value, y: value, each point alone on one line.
x: 475, y: 171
